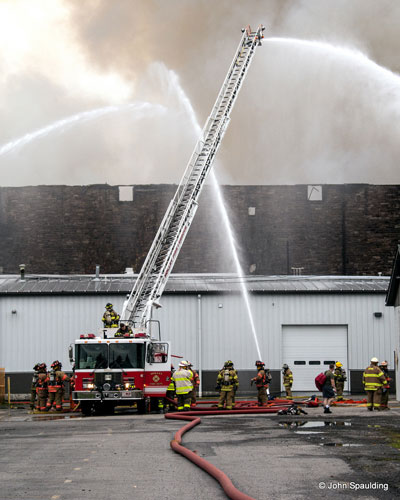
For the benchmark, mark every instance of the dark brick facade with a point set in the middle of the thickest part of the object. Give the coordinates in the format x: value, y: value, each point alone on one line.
x: 354, y: 230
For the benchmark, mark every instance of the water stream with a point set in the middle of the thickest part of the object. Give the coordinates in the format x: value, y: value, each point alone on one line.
x: 61, y: 125
x: 187, y: 105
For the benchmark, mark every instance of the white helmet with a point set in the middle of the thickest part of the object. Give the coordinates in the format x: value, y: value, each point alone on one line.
x: 183, y: 363
x: 374, y: 360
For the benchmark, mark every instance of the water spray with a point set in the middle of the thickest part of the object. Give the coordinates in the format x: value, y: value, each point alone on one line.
x: 187, y: 105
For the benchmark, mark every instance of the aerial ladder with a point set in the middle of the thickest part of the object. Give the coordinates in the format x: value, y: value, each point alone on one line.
x: 175, y: 225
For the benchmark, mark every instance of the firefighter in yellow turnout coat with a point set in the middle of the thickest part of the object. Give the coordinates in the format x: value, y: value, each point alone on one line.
x: 182, y: 379
x: 227, y: 384
x: 373, y: 380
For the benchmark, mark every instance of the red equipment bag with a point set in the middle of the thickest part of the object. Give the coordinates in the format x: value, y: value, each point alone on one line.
x: 320, y: 381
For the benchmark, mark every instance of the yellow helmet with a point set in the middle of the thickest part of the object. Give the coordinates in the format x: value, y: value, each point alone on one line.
x: 338, y: 364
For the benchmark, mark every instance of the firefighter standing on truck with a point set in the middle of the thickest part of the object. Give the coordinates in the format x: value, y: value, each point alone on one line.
x: 110, y: 317
x: 227, y: 384
x: 41, y: 387
x: 386, y: 386
x: 182, y: 379
x: 340, y: 378
x: 124, y: 330
x: 373, y: 380
x: 287, y: 380
x: 35, y: 379
x: 261, y: 382
x: 56, y: 386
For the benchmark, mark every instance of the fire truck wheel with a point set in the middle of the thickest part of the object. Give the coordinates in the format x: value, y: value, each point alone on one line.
x: 86, y: 409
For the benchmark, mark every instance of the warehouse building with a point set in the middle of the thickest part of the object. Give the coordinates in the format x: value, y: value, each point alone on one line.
x: 304, y: 321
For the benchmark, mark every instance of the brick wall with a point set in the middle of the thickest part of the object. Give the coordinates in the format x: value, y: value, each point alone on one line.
x: 353, y: 230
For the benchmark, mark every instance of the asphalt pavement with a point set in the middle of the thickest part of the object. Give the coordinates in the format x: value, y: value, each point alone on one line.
x: 352, y: 452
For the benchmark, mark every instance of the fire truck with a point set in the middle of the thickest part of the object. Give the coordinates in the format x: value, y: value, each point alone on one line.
x: 111, y: 371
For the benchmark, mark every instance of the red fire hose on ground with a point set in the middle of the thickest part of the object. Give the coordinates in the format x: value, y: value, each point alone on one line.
x: 194, y: 419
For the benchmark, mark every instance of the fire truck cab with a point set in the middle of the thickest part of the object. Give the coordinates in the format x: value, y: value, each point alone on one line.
x: 114, y: 371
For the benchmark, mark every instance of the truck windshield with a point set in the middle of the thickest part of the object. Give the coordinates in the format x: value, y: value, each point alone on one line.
x: 91, y: 356
x: 127, y: 355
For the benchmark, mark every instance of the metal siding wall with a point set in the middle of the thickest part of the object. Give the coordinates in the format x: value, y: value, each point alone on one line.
x: 43, y: 327
x: 178, y: 321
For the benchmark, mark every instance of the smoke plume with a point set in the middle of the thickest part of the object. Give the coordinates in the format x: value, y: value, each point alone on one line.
x: 321, y: 103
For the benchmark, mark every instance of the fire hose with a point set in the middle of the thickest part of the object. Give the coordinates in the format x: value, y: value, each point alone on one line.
x: 194, y: 419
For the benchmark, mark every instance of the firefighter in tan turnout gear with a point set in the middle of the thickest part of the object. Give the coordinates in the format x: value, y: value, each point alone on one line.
x: 227, y: 384
x: 373, y: 380
x: 35, y: 379
x: 340, y: 378
x: 110, y: 317
x: 261, y: 382
x: 196, y: 383
x: 41, y: 387
x: 182, y: 378
x: 386, y: 386
x: 287, y: 380
x: 56, y: 386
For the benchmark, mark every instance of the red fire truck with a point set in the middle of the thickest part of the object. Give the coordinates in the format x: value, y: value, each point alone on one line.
x: 119, y: 371
x: 112, y: 371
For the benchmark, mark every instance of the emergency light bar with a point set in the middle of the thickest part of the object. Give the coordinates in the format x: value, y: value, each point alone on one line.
x: 88, y: 336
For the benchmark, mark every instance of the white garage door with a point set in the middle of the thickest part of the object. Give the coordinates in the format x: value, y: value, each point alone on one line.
x: 308, y: 350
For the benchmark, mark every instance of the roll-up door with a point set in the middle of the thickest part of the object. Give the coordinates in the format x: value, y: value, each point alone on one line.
x: 308, y: 350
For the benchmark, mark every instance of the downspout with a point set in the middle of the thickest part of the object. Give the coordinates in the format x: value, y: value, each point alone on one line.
x: 199, y: 344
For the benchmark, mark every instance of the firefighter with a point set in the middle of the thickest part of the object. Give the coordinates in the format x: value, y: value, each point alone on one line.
x: 123, y: 331
x: 182, y: 379
x: 373, y: 380
x: 170, y: 394
x: 340, y: 378
x: 196, y: 383
x: 41, y: 387
x: 56, y: 386
x: 386, y: 386
x: 261, y: 381
x: 110, y: 317
x: 227, y: 384
x: 34, y: 385
x: 287, y: 380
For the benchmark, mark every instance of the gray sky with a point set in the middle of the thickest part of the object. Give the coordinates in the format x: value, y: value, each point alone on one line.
x: 92, y: 92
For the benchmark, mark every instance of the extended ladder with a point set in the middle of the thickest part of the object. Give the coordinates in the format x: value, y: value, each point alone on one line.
x: 174, y: 227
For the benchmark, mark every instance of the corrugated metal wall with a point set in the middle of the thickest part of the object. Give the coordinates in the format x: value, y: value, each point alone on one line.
x: 42, y: 328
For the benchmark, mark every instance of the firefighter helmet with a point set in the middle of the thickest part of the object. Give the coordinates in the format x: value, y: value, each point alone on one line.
x: 338, y: 364
x: 383, y: 363
x: 374, y: 360
x: 56, y: 364
x: 183, y: 363
x: 259, y: 363
x: 228, y: 363
x: 42, y: 366
x: 285, y: 366
x: 36, y: 367
x: 109, y: 306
